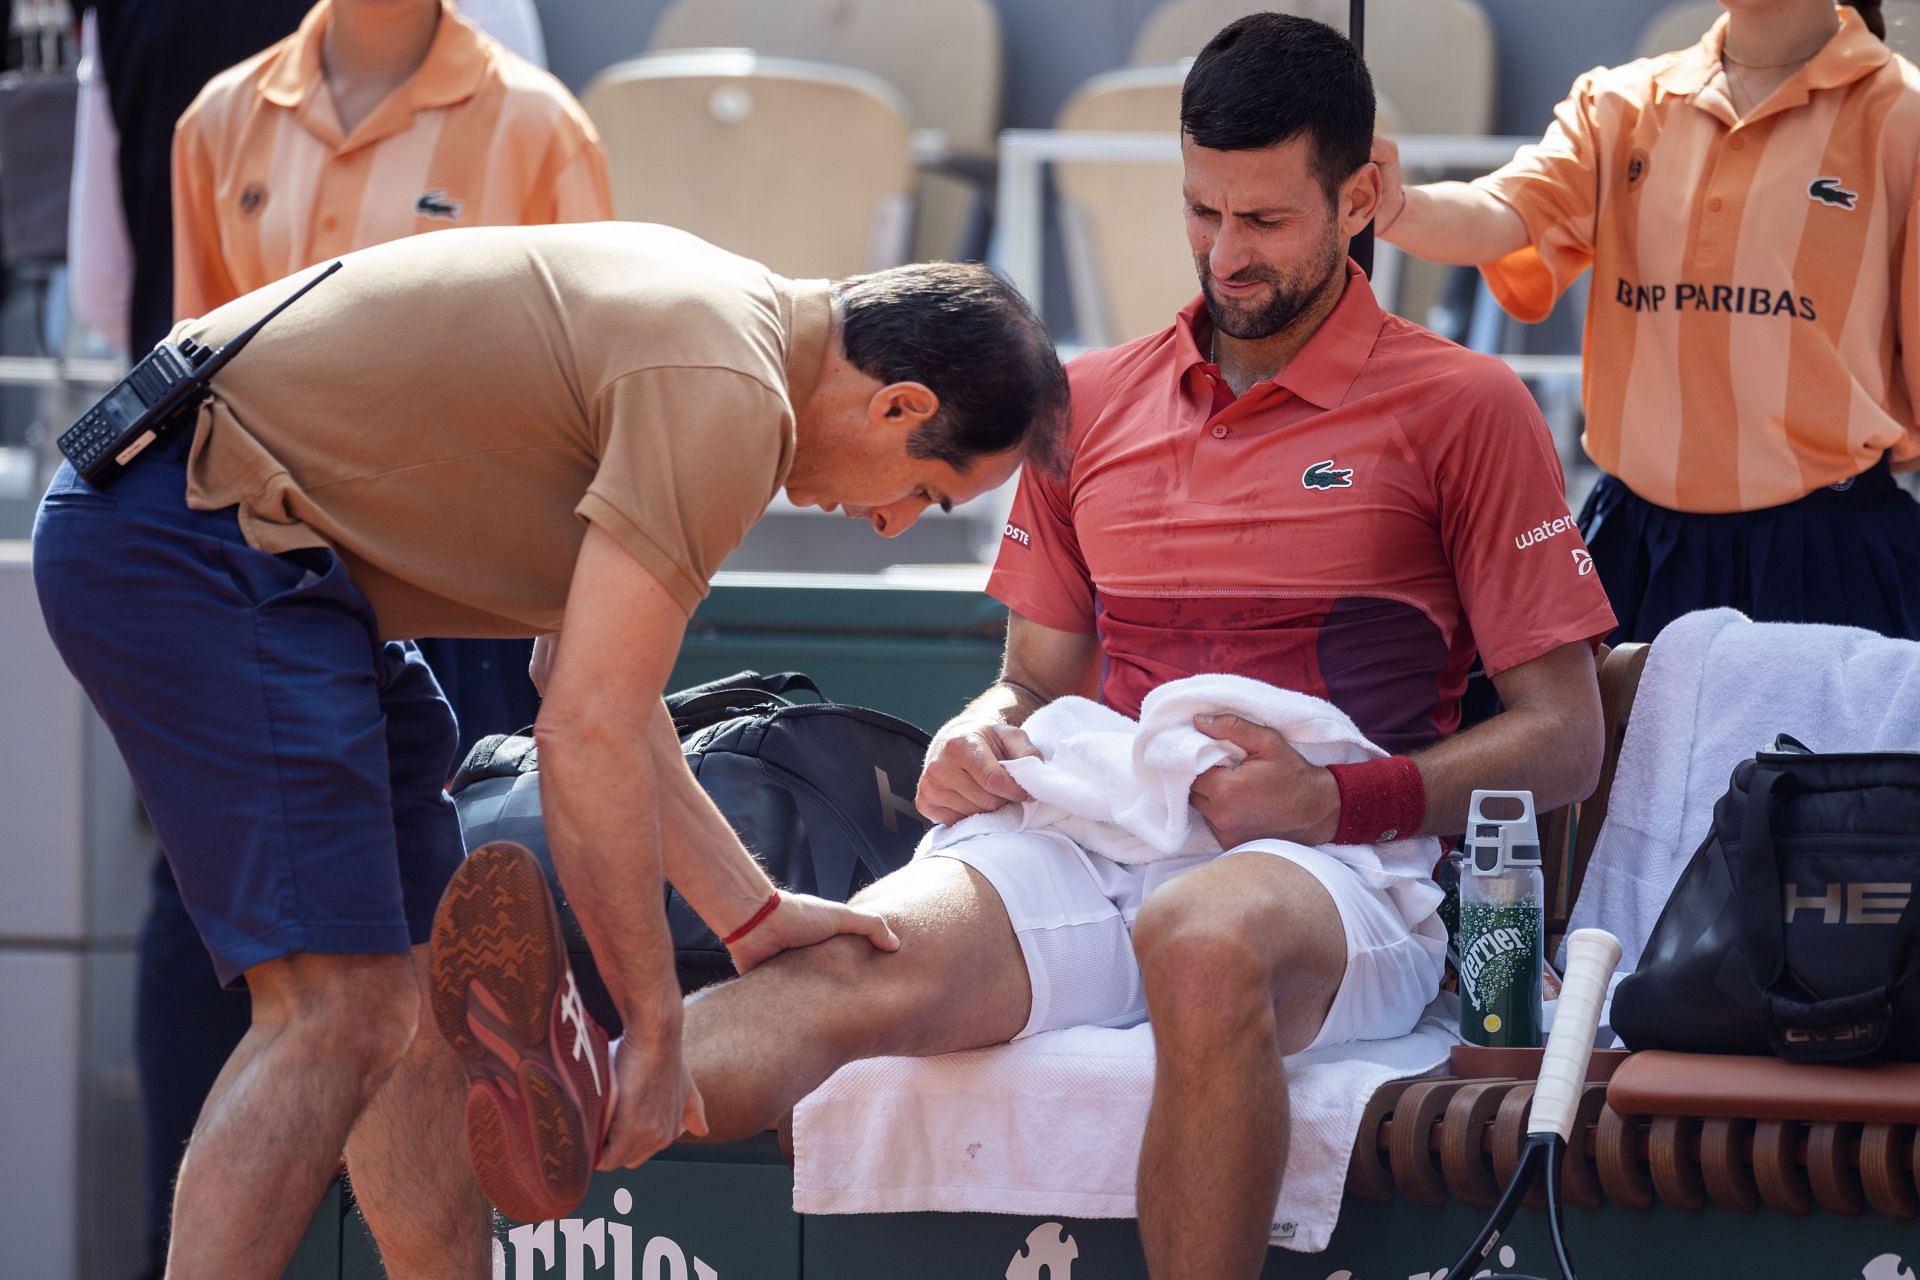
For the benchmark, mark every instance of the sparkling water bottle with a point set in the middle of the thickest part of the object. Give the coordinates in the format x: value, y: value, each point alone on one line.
x: 1502, y: 924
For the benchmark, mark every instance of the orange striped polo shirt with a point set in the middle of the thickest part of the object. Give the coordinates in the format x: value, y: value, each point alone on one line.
x: 265, y: 182
x: 1753, y: 329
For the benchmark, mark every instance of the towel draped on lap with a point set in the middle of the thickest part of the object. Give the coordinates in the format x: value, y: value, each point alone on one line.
x: 1052, y: 1124
x: 1119, y: 788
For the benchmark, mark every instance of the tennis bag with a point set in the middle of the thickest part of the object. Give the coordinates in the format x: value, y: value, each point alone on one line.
x: 820, y: 792
x: 1793, y: 929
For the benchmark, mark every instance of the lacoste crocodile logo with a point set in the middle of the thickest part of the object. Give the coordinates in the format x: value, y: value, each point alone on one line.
x: 1829, y: 191
x: 1324, y: 475
x: 437, y: 204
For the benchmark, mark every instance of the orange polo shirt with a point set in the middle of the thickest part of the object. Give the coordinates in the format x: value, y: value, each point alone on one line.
x: 1753, y: 331
x: 1357, y: 527
x: 265, y: 182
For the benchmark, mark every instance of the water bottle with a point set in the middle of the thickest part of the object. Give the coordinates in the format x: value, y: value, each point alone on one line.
x: 1502, y: 925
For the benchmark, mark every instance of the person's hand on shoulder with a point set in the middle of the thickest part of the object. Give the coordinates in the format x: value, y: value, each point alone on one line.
x: 963, y: 774
x: 1275, y: 793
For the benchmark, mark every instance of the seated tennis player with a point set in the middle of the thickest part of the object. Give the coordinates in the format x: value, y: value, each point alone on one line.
x: 1286, y: 483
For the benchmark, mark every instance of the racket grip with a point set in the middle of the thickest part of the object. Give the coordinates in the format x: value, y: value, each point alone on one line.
x: 1591, y: 956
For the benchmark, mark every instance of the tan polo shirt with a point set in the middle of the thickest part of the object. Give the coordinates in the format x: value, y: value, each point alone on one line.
x: 1753, y: 330
x: 266, y: 182
x: 445, y: 409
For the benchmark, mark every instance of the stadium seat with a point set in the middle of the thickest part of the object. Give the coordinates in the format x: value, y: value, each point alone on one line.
x: 804, y: 166
x: 941, y: 56
x: 1122, y: 228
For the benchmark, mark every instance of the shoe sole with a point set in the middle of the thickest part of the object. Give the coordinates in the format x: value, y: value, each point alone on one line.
x: 498, y: 961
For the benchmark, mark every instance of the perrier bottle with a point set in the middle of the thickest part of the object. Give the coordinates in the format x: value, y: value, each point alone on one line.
x: 1502, y: 936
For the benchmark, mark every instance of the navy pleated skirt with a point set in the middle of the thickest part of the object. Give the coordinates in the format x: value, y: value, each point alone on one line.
x: 1848, y: 555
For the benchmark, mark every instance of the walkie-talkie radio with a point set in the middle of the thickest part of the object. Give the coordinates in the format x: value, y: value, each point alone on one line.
x: 155, y: 399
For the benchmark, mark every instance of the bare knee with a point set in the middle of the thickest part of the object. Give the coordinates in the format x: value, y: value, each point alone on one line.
x: 842, y: 997
x: 853, y: 997
x: 359, y: 1013
x: 1204, y: 963
x: 1218, y: 963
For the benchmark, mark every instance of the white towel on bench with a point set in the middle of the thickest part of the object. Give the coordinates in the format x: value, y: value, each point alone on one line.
x: 1051, y: 1126
x: 1716, y: 689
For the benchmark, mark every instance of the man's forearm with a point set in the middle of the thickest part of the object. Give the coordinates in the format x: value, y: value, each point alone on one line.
x: 599, y: 796
x: 1532, y: 749
x: 1005, y: 701
x: 1455, y: 222
x: 702, y: 856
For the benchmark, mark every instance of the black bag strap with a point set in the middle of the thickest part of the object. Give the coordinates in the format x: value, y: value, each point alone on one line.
x: 779, y: 682
x: 1758, y: 878
x: 741, y: 693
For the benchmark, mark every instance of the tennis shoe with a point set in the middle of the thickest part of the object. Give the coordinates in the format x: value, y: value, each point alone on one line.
x: 540, y: 1079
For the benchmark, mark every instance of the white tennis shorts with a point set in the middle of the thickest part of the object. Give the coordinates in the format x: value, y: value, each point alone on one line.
x: 1073, y: 912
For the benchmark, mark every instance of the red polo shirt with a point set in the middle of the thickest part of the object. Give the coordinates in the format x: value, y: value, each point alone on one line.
x: 1355, y: 528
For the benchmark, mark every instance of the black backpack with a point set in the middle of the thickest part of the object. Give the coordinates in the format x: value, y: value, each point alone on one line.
x: 820, y: 792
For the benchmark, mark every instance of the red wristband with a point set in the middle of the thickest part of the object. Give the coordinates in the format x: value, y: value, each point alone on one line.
x: 753, y: 921
x: 1380, y: 800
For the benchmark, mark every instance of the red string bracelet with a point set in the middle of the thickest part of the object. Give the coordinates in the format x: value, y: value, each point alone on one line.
x: 753, y: 921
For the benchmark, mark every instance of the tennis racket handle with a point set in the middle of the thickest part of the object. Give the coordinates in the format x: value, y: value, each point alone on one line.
x: 1591, y: 956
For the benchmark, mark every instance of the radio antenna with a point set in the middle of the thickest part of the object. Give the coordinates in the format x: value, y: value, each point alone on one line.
x: 219, y: 359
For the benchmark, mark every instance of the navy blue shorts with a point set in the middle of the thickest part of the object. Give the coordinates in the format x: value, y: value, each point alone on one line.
x: 294, y: 765
x: 1849, y: 556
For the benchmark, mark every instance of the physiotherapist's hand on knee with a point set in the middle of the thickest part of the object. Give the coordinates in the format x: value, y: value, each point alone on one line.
x: 1275, y: 793
x: 654, y: 1099
x: 963, y: 775
x: 802, y: 920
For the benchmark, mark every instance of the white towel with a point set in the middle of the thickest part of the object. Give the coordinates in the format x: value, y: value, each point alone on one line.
x: 1716, y: 689
x: 1051, y: 1125
x: 1119, y: 788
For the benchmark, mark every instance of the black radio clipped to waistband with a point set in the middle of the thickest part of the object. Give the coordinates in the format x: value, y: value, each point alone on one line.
x: 154, y: 399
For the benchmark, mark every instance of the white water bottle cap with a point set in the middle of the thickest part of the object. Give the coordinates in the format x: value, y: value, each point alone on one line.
x: 1495, y: 845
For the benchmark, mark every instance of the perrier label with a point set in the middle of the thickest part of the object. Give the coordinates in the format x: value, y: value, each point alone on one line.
x: 1501, y: 955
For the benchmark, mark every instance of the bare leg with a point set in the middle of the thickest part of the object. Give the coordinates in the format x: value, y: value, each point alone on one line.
x: 1241, y: 959
x: 326, y: 1032
x: 408, y: 1157
x: 759, y: 1044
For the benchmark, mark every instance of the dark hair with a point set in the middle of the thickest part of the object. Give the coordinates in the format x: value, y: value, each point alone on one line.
x: 974, y: 342
x: 1266, y: 78
x: 1870, y: 14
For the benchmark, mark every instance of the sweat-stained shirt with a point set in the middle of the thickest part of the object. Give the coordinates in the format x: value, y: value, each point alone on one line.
x: 1356, y: 527
x: 445, y: 410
